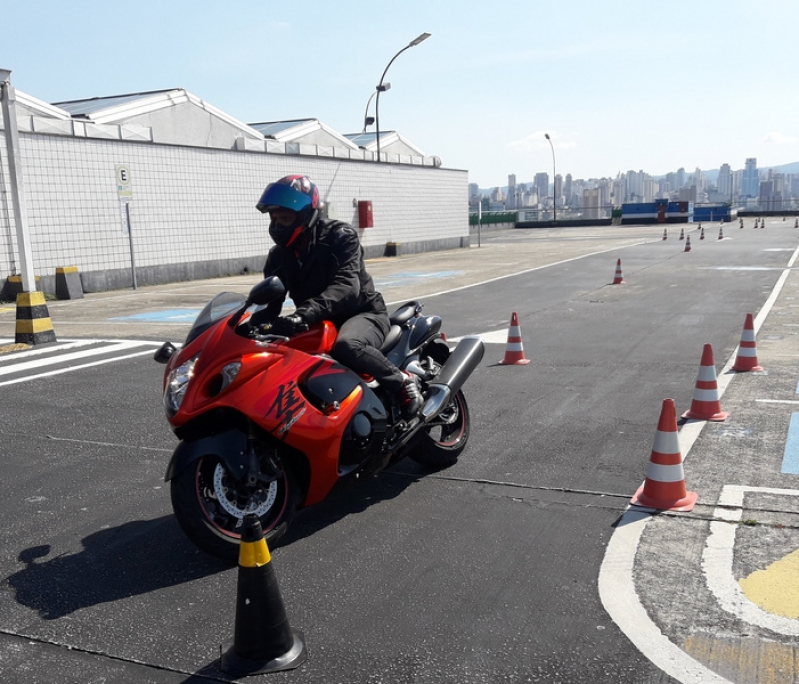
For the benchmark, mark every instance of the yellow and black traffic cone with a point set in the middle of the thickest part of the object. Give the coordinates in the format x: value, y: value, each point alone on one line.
x: 263, y: 641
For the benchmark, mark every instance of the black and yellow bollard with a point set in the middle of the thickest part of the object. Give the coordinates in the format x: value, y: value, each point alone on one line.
x: 33, y: 320
x: 262, y: 641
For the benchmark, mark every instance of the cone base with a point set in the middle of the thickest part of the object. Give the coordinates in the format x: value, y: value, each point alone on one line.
x: 683, y: 505
x: 511, y: 362
x: 744, y: 369
x: 718, y: 417
x: 619, y: 282
x: 235, y: 665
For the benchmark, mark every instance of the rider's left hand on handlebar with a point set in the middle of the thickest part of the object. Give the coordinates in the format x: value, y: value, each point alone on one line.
x: 289, y: 326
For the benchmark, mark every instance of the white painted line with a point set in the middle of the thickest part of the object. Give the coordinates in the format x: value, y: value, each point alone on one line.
x: 74, y: 368
x: 717, y: 562
x: 528, y: 270
x: 616, y: 584
x: 46, y: 350
x: 64, y: 358
x: 618, y: 595
x: 776, y: 401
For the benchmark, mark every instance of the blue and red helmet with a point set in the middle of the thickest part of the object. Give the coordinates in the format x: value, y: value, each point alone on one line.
x: 298, y: 194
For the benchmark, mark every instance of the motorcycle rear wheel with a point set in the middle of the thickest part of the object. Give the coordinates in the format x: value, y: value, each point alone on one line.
x: 440, y: 445
x: 209, y: 506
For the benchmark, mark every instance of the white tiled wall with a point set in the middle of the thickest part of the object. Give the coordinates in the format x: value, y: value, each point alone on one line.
x: 194, y: 204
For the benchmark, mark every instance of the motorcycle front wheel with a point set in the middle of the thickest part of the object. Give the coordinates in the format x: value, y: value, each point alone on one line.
x: 440, y: 444
x: 210, y: 504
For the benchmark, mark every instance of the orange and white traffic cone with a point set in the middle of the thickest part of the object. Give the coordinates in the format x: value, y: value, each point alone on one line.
x: 702, y: 234
x: 721, y: 233
x: 687, y: 244
x: 746, y: 360
x: 682, y: 233
x: 514, y: 352
x: 618, y: 279
x: 796, y: 223
x: 706, y: 404
x: 664, y: 487
x: 665, y: 234
x: 699, y: 227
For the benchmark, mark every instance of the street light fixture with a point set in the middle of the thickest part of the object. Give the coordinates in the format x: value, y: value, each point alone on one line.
x: 554, y: 188
x: 381, y: 87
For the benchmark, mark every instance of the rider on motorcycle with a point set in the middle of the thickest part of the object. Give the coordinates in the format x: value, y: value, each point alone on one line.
x: 321, y: 264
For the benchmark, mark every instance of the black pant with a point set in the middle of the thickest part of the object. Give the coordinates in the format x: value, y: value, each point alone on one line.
x: 357, y: 347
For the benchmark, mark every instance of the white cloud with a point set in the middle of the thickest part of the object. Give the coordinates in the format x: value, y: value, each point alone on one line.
x: 778, y: 138
x: 537, y: 141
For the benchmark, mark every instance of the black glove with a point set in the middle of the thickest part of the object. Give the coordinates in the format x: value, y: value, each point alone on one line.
x: 288, y: 326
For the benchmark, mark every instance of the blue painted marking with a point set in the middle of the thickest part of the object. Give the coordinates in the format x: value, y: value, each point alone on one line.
x: 790, y: 460
x: 170, y: 315
x: 408, y: 276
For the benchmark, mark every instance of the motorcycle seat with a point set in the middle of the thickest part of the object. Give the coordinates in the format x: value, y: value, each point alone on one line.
x: 404, y: 313
x: 393, y: 336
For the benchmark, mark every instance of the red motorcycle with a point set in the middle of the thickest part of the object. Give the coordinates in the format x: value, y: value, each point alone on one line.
x: 268, y: 424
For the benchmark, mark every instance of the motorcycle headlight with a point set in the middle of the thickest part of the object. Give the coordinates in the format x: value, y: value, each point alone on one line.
x: 177, y: 384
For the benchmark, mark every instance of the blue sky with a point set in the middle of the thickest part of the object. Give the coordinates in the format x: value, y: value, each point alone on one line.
x: 619, y: 85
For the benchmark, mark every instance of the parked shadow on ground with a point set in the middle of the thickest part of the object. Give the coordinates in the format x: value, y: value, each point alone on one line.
x: 129, y: 560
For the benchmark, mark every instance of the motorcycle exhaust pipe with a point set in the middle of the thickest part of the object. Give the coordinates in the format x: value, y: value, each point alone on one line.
x: 461, y: 363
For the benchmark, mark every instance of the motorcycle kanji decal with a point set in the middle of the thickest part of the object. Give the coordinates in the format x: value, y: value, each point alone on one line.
x: 288, y: 405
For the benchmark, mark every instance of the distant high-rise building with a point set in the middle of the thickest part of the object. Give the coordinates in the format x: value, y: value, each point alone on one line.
x: 474, y: 189
x: 558, y: 189
x: 750, y: 183
x: 724, y: 182
x: 567, y: 189
x: 541, y: 182
x: 511, y: 202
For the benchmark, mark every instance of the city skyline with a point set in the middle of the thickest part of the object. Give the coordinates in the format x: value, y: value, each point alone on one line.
x: 770, y: 188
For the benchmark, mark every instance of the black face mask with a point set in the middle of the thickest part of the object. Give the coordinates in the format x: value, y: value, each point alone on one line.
x: 285, y: 236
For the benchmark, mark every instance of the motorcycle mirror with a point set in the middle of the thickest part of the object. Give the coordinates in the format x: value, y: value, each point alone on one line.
x: 165, y: 352
x: 267, y: 291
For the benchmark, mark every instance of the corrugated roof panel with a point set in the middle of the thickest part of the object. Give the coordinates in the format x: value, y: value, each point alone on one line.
x: 270, y: 128
x: 96, y: 104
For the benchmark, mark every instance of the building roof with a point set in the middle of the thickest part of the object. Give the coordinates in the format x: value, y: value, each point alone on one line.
x: 294, y: 130
x: 368, y: 141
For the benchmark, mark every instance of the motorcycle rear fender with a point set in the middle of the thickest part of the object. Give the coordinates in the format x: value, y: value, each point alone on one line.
x: 230, y: 446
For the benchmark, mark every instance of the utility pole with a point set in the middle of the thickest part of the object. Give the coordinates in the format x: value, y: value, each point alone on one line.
x: 9, y: 98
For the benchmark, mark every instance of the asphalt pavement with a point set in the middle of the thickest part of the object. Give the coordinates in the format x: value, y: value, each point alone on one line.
x: 709, y: 595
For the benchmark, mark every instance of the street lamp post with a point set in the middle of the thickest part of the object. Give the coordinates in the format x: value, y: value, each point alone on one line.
x: 381, y: 87
x: 368, y: 120
x: 554, y: 184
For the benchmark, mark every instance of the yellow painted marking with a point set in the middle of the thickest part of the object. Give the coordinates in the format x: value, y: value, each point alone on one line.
x: 6, y: 309
x: 35, y: 325
x: 745, y: 659
x: 254, y: 554
x: 775, y: 589
x: 66, y: 269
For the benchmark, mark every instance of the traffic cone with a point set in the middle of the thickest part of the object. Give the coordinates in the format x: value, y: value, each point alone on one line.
x: 263, y: 641
x: 746, y: 360
x: 706, y: 404
x: 514, y: 352
x: 702, y: 234
x: 687, y: 244
x: 741, y: 223
x: 796, y: 223
x: 618, y: 279
x: 699, y: 227
x: 682, y: 233
x: 721, y: 233
x: 665, y: 234
x: 664, y: 487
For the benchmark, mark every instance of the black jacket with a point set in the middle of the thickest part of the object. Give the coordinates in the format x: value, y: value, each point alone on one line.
x: 325, y: 276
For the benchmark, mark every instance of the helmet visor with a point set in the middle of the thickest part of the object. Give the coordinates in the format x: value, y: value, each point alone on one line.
x: 281, y: 195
